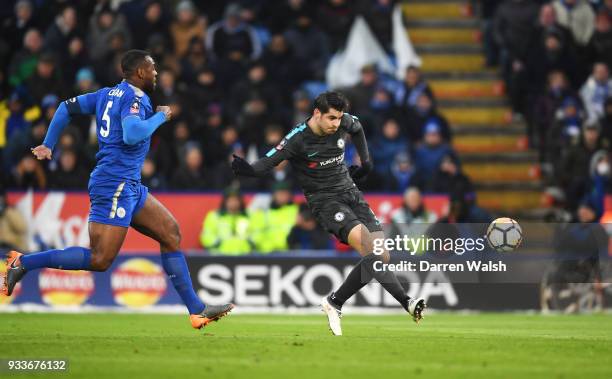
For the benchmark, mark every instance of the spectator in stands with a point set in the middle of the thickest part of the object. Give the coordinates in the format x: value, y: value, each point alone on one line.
x: 85, y: 81
x: 255, y: 112
x: 24, y: 61
x: 549, y: 54
x: 422, y: 116
x: 150, y: 177
x: 20, y: 142
x: 386, y: 146
x: 14, y: 29
x: 191, y: 175
x: 282, y: 67
x: 310, y: 45
x: 547, y: 109
x: 166, y: 90
x: 17, y: 118
x: 227, y: 231
x: 194, y: 61
x: 449, y: 178
x: 46, y: 79
x: 411, y: 89
x: 411, y: 219
x: 29, y: 173
x: 403, y: 174
x: 63, y: 29
x: 306, y: 234
x: 105, y: 25
x: 566, y: 128
x: 463, y: 207
x: 205, y: 94
x: 596, y: 90
x: 232, y: 44
x: 301, y: 107
x: 573, y: 172
x: 13, y: 227
x: 71, y: 174
x: 547, y: 22
x: 600, y: 45
x: 187, y: 25
x: 336, y: 17
x: 577, y: 16
x: 75, y: 60
x: 412, y: 211
x: 270, y: 227
x: 255, y: 86
x: 273, y: 134
x: 153, y: 22
x: 599, y: 183
x: 360, y: 95
x: 232, y: 39
x: 513, y: 27
x: 606, y: 122
x: 429, y: 155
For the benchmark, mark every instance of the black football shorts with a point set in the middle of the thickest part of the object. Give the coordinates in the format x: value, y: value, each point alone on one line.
x: 339, y: 213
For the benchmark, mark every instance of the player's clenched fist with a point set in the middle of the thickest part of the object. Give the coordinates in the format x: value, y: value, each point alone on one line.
x: 166, y: 109
x: 42, y: 152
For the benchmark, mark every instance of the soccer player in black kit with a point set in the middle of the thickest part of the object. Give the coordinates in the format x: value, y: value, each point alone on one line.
x: 315, y: 150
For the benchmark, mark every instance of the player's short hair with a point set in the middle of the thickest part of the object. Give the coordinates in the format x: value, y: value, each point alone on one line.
x: 331, y: 99
x: 131, y: 60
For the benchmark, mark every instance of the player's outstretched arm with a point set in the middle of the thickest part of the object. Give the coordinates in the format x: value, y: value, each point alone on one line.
x: 287, y: 148
x: 84, y: 104
x: 136, y: 129
x: 260, y: 168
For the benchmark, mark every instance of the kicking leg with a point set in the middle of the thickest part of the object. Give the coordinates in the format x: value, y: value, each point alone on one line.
x: 105, y: 241
x: 155, y: 221
x: 362, y: 240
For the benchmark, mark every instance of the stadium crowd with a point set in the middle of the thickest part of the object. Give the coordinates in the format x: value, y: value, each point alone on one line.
x: 555, y: 58
x: 238, y: 76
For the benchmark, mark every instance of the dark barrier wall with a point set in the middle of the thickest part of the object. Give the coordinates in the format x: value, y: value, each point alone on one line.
x: 138, y: 282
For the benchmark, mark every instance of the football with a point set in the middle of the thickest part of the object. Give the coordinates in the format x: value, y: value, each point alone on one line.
x: 504, y: 234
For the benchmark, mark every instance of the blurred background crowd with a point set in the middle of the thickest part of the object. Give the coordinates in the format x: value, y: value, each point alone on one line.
x: 555, y: 59
x: 239, y: 75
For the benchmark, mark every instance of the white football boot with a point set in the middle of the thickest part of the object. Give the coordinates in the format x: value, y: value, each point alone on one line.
x: 416, y: 308
x: 333, y: 316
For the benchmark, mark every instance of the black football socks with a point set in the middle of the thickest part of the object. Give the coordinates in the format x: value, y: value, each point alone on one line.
x: 361, y: 275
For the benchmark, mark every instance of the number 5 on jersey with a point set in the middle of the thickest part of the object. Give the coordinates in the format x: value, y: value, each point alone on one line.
x: 105, y: 128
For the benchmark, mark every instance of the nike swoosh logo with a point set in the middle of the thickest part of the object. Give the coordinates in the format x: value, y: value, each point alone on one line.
x: 313, y: 154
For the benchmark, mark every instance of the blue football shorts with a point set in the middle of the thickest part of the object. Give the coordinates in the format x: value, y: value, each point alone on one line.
x: 115, y: 202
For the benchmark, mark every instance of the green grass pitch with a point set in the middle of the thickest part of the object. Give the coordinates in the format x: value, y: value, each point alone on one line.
x: 278, y: 346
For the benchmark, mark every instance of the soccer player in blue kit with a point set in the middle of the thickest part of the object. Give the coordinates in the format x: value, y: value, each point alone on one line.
x: 125, y: 122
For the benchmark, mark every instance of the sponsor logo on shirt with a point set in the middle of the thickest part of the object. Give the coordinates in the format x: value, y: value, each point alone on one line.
x: 135, y: 108
x: 339, y: 159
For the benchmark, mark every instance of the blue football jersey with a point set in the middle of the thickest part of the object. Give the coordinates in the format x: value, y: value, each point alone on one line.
x: 116, y: 159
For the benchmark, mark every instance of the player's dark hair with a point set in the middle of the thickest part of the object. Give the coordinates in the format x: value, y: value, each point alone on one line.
x: 131, y: 60
x: 331, y: 100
